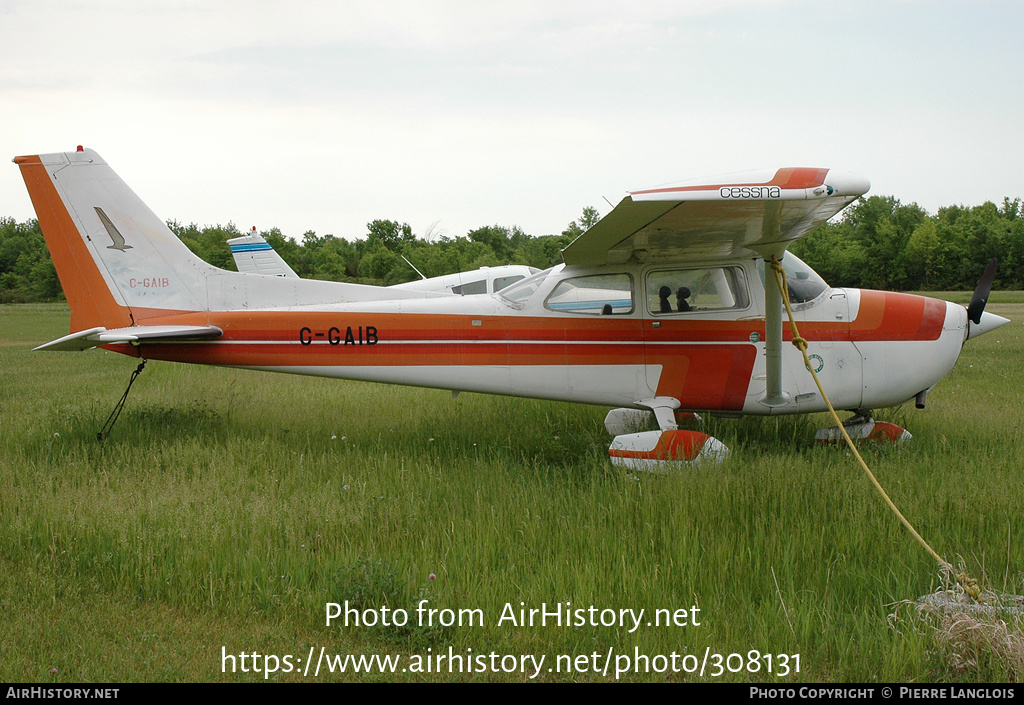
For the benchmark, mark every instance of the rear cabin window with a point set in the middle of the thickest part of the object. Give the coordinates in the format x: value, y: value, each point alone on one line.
x: 520, y: 292
x: 501, y: 282
x: 686, y: 290
x: 597, y: 295
x: 477, y: 287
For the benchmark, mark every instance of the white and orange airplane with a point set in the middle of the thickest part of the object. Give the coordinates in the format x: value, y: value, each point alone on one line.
x: 663, y: 306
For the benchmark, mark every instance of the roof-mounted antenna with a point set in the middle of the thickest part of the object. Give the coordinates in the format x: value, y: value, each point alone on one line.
x: 413, y: 266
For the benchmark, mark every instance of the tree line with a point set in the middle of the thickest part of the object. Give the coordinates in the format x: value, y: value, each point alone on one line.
x: 878, y: 243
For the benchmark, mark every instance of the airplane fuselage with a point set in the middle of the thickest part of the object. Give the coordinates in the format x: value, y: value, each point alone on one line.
x: 872, y: 349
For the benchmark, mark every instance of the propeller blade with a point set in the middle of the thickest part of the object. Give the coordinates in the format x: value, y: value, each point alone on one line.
x: 981, y: 292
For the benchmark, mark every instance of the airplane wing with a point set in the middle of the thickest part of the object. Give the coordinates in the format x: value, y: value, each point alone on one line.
x: 87, y: 339
x: 717, y: 218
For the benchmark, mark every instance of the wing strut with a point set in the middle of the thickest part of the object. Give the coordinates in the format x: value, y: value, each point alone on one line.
x: 773, y: 394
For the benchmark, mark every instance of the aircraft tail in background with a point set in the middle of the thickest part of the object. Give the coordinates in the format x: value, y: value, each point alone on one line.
x: 254, y: 255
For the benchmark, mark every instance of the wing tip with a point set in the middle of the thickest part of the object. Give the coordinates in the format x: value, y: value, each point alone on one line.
x: 845, y: 183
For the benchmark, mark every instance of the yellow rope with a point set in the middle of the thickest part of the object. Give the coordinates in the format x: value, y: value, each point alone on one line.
x: 969, y: 584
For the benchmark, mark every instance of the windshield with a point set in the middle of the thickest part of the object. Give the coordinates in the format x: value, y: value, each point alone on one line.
x: 803, y: 282
x: 519, y: 292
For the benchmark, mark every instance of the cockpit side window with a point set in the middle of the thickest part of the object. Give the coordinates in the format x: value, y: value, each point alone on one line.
x: 684, y: 290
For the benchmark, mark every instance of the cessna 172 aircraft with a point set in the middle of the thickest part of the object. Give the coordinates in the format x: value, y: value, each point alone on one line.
x: 663, y: 306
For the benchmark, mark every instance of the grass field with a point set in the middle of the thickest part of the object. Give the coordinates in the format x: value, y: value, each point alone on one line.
x: 228, y: 507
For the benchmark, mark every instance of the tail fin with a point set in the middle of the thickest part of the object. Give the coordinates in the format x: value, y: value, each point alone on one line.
x: 254, y: 255
x: 118, y: 263
x: 121, y: 266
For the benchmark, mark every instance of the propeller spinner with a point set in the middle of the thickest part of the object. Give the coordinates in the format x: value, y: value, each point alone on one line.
x: 981, y: 322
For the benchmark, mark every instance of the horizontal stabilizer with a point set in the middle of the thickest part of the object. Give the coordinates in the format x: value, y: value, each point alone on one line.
x: 88, y: 339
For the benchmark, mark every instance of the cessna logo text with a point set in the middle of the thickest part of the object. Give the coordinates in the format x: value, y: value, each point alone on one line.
x: 750, y: 192
x: 336, y: 336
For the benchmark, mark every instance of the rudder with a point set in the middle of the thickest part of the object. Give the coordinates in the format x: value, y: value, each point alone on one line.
x: 118, y: 263
x: 91, y: 301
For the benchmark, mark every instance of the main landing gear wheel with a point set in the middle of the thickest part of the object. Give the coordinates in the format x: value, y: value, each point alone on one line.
x: 663, y: 450
x: 861, y: 427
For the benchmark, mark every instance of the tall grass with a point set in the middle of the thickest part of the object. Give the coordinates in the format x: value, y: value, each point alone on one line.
x: 228, y: 506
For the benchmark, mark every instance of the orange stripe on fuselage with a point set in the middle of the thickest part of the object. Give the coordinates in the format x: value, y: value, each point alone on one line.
x: 886, y: 315
x: 87, y: 292
x: 705, y: 376
x: 705, y: 364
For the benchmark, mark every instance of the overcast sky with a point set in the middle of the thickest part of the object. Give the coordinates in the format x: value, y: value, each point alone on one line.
x: 452, y: 115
